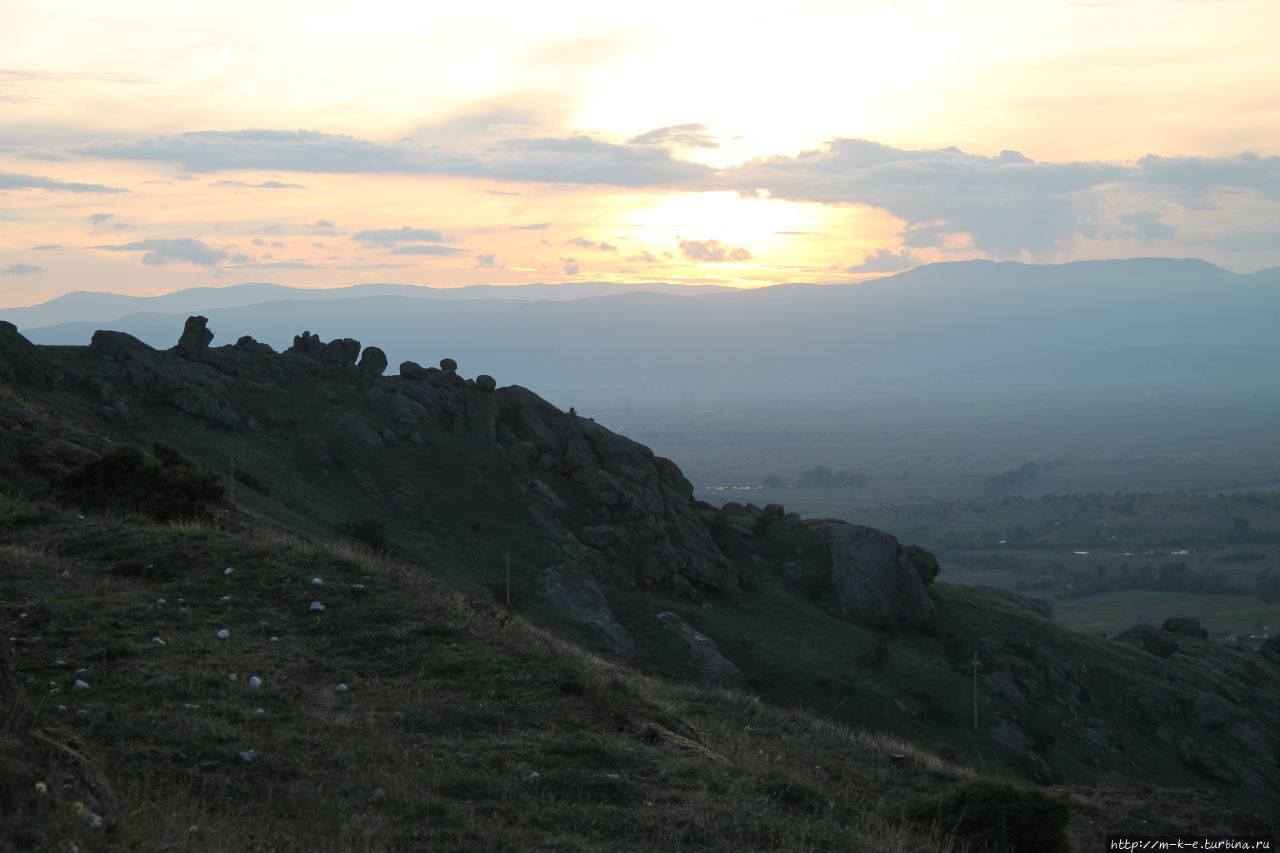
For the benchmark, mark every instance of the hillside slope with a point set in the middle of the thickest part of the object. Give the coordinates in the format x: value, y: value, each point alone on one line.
x: 542, y: 513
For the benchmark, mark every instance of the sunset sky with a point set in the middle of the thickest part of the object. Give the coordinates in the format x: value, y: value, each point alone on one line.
x: 151, y: 146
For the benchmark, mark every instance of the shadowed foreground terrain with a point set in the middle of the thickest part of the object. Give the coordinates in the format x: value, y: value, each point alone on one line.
x: 437, y: 612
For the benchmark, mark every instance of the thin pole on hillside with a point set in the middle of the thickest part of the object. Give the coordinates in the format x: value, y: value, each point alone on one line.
x: 231, y: 487
x: 975, y: 691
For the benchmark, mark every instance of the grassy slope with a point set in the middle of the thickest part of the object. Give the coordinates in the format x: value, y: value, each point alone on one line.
x: 464, y: 518
x: 452, y: 707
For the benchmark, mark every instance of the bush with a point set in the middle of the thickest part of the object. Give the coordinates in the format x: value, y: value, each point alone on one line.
x: 989, y: 815
x: 164, y: 486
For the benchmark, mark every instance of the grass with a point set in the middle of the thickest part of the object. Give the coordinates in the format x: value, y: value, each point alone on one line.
x: 452, y: 709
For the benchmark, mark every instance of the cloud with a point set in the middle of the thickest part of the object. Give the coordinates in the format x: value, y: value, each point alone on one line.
x: 182, y: 250
x: 1007, y: 203
x: 322, y: 223
x: 405, y: 234
x: 645, y: 257
x: 683, y: 135
x: 276, y: 244
x: 577, y: 159
x: 583, y: 243
x: 274, y: 265
x: 885, y: 260
x: 100, y: 223
x: 265, y: 185
x: 47, y: 247
x: 44, y: 156
x: 537, y: 226
x: 711, y: 251
x: 488, y: 262
x: 279, y: 150
x: 418, y: 249
x: 258, y: 241
x: 583, y: 160
x: 22, y: 269
x: 1146, y: 226
x: 14, y: 181
x: 570, y: 266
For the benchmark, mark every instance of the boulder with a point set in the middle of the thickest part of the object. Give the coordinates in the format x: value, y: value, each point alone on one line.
x: 875, y: 577
x: 1150, y: 639
x: 1185, y: 625
x: 485, y: 382
x: 119, y: 346
x: 341, y: 351
x: 449, y: 364
x: 306, y: 344
x: 248, y: 344
x: 196, y: 338
x: 704, y: 654
x: 373, y: 362
x: 21, y: 362
x: 413, y: 371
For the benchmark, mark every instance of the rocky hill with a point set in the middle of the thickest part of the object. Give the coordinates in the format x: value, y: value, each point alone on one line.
x: 537, y: 514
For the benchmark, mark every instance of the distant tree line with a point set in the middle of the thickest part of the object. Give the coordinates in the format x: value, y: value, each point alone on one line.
x: 821, y: 477
x: 1014, y: 477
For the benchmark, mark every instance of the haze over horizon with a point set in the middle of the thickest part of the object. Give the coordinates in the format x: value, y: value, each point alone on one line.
x: 152, y: 148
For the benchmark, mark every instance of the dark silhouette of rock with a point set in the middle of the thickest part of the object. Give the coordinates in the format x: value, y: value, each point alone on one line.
x: 306, y: 344
x: 1270, y: 649
x: 195, y: 339
x: 1149, y: 638
x: 119, y: 345
x: 875, y: 577
x: 1186, y: 626
x: 486, y: 383
x: 248, y: 344
x: 373, y: 362
x: 926, y: 564
x: 21, y: 362
x: 448, y: 364
x: 413, y: 371
x: 341, y: 351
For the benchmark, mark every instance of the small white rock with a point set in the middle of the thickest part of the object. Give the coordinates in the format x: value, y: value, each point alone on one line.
x: 226, y: 571
x: 258, y: 711
x: 274, y: 640
x: 191, y: 707
x: 255, y: 681
x: 223, y: 634
x: 158, y: 641
x: 80, y: 685
x: 534, y: 776
x: 225, y: 598
x: 317, y: 607
x: 161, y: 601
x: 22, y: 616
x: 247, y: 756
x: 65, y: 575
x: 231, y: 676
x: 62, y: 707
x: 317, y: 582
x: 59, y: 663
x: 341, y: 688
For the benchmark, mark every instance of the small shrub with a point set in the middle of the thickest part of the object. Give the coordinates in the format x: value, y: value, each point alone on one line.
x: 986, y: 814
x: 164, y: 486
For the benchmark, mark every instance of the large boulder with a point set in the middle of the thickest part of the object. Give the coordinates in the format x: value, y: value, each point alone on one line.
x: 195, y: 339
x: 119, y: 346
x: 21, y: 362
x: 373, y: 361
x: 1150, y: 639
x: 876, y: 578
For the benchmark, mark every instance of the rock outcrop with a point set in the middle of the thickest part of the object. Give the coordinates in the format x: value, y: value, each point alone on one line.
x: 21, y: 362
x: 876, y: 578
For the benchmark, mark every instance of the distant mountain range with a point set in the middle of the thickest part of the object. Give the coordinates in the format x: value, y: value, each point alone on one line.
x: 966, y: 328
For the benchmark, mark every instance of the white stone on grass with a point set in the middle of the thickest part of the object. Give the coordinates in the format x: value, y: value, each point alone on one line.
x: 317, y: 607
x: 80, y: 685
x: 227, y: 571
x: 255, y: 681
x: 158, y: 641
x: 317, y: 582
x: 341, y: 688
x: 223, y: 634
x: 231, y: 676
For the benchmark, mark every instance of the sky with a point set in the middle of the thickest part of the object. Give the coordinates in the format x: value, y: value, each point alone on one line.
x: 150, y: 146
